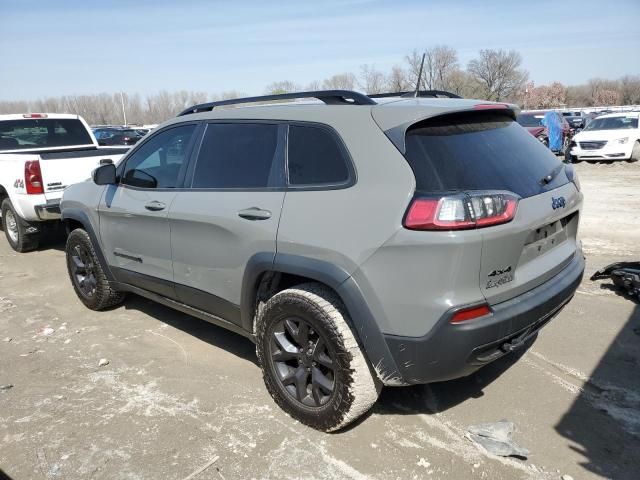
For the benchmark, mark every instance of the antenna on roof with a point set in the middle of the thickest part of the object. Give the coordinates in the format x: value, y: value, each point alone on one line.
x: 419, y: 77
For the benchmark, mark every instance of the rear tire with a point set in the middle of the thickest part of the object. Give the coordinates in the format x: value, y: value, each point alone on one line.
x: 311, y: 362
x: 86, y: 273
x: 15, y: 229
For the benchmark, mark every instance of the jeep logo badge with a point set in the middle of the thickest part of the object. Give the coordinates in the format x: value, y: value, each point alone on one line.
x: 558, y: 203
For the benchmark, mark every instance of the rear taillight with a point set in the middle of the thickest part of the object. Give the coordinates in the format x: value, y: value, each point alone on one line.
x: 470, y: 313
x: 461, y: 211
x: 33, y: 177
x: 35, y: 115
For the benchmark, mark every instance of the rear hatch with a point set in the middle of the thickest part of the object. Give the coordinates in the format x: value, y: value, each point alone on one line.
x: 487, y: 155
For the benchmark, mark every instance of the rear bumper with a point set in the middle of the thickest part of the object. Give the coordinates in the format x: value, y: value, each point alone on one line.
x: 456, y: 350
x: 48, y: 211
x: 610, y: 151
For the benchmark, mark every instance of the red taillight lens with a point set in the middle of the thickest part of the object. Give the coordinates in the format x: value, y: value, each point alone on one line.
x: 490, y: 106
x: 34, y: 115
x: 470, y: 313
x: 461, y: 212
x: 33, y: 177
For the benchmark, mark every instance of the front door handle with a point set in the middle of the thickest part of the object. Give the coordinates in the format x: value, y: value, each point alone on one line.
x: 155, y: 206
x: 255, y: 213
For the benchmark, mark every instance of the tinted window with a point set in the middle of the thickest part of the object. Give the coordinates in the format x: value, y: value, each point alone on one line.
x: 481, y: 151
x: 315, y: 157
x: 42, y: 133
x: 529, y: 120
x: 238, y: 155
x: 158, y: 162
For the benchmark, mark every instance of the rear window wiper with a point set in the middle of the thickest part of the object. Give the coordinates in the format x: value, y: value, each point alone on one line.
x: 547, y: 179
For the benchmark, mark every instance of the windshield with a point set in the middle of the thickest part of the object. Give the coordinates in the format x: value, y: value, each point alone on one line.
x: 529, y: 120
x: 473, y: 151
x: 613, y: 123
x: 43, y: 133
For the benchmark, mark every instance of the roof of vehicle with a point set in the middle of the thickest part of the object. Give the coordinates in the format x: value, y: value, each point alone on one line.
x: 388, y: 113
x: 37, y: 116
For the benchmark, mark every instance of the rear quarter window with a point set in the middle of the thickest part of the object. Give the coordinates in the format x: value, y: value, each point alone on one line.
x: 316, y: 157
x: 479, y: 151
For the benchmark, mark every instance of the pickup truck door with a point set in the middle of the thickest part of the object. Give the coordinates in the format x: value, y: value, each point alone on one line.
x: 134, y: 227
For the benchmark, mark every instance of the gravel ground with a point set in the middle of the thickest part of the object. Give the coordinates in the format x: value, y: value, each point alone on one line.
x: 178, y: 394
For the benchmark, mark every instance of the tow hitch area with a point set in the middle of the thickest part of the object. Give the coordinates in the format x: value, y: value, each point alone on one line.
x: 625, y: 276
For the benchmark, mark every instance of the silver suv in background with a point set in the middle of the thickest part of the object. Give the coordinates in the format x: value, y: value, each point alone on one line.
x: 358, y: 243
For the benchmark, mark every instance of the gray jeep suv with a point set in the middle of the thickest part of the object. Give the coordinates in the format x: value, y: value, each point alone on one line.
x: 358, y: 243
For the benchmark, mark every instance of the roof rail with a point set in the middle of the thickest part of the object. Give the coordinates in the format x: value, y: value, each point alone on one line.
x: 330, y: 97
x: 421, y: 93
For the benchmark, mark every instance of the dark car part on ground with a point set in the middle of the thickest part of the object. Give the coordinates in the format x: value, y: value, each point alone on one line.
x: 625, y: 276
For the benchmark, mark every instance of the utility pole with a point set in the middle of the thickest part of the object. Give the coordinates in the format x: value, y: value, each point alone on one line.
x: 124, y: 113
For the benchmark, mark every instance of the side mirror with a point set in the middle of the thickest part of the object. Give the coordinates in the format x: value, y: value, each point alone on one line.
x: 105, y: 174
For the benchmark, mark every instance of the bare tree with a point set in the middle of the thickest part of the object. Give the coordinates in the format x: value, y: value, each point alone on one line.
x: 341, y: 81
x: 498, y: 73
x: 397, y: 80
x: 440, y: 62
x: 283, y: 86
x: 630, y: 89
x: 371, y: 80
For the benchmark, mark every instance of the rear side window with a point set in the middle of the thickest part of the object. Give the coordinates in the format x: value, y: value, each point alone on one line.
x: 479, y: 151
x: 239, y: 155
x: 315, y: 157
x: 42, y: 133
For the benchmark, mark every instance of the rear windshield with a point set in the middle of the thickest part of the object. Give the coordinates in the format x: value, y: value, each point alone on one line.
x: 480, y: 151
x: 42, y: 133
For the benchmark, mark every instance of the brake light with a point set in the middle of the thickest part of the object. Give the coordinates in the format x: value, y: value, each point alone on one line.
x: 34, y: 115
x: 491, y: 106
x: 470, y: 313
x: 33, y: 177
x: 461, y: 211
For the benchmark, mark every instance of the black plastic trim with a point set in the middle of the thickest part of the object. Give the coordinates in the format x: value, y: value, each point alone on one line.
x: 364, y: 324
x: 181, y: 307
x: 81, y: 217
x: 209, y: 303
x: 157, y: 285
x: 451, y: 350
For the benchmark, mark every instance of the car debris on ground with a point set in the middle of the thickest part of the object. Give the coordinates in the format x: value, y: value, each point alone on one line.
x: 625, y: 276
x: 496, y: 438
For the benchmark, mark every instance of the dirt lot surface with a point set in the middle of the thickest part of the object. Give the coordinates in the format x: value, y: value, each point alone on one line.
x: 178, y: 393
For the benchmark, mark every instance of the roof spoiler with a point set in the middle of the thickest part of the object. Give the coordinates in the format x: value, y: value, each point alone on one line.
x: 398, y: 133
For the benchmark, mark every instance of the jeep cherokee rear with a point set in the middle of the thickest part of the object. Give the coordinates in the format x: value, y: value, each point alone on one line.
x: 357, y: 244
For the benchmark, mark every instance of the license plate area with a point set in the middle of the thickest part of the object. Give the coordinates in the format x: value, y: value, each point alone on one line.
x: 545, y: 238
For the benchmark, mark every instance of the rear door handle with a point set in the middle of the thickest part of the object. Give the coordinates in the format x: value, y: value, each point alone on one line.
x: 155, y: 206
x: 255, y: 213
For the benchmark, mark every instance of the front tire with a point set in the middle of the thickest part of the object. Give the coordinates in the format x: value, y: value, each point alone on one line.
x: 86, y: 273
x: 15, y: 229
x: 311, y: 362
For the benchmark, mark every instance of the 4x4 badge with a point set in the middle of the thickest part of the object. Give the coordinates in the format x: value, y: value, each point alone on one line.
x: 558, y: 203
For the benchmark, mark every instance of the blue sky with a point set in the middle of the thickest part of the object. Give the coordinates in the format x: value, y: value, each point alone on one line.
x: 62, y: 47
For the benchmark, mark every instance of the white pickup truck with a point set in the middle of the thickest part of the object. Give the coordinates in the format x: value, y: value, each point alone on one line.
x: 40, y: 155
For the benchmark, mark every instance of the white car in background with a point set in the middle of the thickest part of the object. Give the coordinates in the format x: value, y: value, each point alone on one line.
x: 615, y: 136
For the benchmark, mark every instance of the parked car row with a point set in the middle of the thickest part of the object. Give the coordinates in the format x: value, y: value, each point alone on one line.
x: 108, y: 136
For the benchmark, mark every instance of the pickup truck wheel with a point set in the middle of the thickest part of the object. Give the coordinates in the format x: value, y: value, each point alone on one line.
x: 311, y: 362
x: 86, y: 273
x: 15, y: 230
